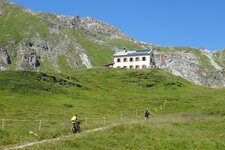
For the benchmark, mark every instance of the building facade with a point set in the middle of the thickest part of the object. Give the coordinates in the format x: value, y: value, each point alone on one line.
x: 139, y: 59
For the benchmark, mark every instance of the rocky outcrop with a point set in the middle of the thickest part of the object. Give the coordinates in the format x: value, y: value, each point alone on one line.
x: 71, y: 21
x: 98, y: 27
x: 28, y: 58
x: 188, y: 66
x: 176, y: 63
x: 70, y: 43
x: 4, y: 59
x: 32, y: 53
x: 209, y: 54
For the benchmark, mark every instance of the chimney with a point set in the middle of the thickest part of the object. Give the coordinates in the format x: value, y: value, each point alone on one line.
x: 124, y: 49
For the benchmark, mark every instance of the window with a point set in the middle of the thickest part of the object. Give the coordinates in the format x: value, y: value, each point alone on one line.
x: 137, y: 67
x: 131, y: 67
x: 144, y: 66
x: 118, y: 60
x: 143, y: 58
x: 131, y: 59
x: 137, y: 59
x: 124, y: 66
x: 125, y: 60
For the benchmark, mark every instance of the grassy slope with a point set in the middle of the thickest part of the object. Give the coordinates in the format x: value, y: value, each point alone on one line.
x: 18, y: 25
x: 98, y: 54
x: 15, y: 24
x: 99, y: 93
x: 204, y: 134
x: 94, y: 93
x: 121, y: 44
x: 219, y: 57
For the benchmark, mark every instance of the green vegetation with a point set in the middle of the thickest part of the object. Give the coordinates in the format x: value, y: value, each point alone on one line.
x: 219, y: 57
x: 16, y: 24
x: 38, y: 105
x: 188, y: 134
x: 121, y: 44
x: 98, y: 94
x: 63, y: 64
x: 46, y: 66
x: 99, y: 55
x: 163, y: 49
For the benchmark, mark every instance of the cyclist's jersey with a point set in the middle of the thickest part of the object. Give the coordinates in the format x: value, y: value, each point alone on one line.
x: 74, y: 118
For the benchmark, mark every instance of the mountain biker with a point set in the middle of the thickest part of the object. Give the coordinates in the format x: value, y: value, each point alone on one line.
x: 75, y: 124
x: 74, y: 118
x: 146, y: 113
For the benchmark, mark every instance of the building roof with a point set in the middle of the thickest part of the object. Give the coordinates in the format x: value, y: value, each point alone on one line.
x: 132, y: 53
x: 111, y: 64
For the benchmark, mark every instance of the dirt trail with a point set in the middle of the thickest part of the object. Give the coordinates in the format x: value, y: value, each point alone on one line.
x: 61, y: 137
x: 57, y: 139
x: 166, y: 118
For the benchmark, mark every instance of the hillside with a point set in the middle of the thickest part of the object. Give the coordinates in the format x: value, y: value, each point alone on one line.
x: 102, y: 96
x: 220, y: 57
x: 157, y: 135
x: 199, y: 66
x: 51, y: 68
x: 60, y: 44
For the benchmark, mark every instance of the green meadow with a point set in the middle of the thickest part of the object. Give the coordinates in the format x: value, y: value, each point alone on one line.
x: 36, y: 106
x: 172, y: 134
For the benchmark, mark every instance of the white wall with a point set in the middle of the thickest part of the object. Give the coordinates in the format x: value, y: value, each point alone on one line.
x: 121, y: 64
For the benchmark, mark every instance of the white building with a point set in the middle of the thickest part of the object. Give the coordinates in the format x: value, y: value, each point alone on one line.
x: 134, y: 59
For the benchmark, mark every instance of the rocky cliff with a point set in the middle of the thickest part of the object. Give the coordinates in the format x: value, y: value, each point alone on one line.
x: 196, y: 65
x: 56, y: 43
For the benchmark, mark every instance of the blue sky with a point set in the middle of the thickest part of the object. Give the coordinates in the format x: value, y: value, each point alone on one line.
x: 195, y: 23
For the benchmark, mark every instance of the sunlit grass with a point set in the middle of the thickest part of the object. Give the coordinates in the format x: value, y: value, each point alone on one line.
x: 100, y: 97
x: 186, y: 134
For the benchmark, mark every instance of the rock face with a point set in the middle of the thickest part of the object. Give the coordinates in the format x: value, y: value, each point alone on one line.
x: 97, y: 27
x: 188, y: 65
x: 4, y: 59
x: 71, y: 21
x: 56, y: 43
x: 29, y: 59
